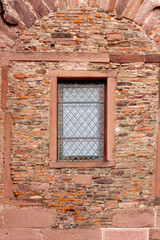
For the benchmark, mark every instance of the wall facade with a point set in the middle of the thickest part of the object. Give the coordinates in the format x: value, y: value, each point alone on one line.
x: 112, y: 202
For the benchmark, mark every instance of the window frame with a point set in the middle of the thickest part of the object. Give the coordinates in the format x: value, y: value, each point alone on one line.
x: 109, y: 131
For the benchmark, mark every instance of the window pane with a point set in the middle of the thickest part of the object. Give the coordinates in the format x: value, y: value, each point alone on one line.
x: 80, y: 121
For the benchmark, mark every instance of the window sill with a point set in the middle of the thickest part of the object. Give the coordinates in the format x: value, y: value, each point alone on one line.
x: 77, y: 164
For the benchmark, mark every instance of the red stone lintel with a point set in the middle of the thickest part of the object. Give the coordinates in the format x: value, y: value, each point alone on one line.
x: 127, y: 58
x: 54, y: 57
x: 148, y: 58
x: 152, y: 58
x: 79, y: 57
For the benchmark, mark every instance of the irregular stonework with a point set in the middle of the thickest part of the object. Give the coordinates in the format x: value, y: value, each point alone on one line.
x: 54, y: 199
x: 80, y: 31
x: 127, y: 185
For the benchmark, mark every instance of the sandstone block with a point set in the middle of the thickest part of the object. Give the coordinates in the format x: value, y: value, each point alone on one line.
x: 62, y: 35
x: 104, y: 180
x: 120, y: 6
x: 73, y: 4
x: 83, y: 179
x: 154, y: 234
x: 51, y: 5
x: 158, y: 218
x: 78, y: 234
x: 114, y: 36
x: 29, y: 218
x: 25, y: 14
x: 133, y: 218
x: 125, y: 234
x: 39, y: 7
x: 20, y: 234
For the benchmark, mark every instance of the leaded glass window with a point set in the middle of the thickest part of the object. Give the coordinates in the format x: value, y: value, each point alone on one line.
x: 81, y: 120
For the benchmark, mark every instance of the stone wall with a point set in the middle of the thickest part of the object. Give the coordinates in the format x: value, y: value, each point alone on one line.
x: 112, y: 37
x: 126, y: 185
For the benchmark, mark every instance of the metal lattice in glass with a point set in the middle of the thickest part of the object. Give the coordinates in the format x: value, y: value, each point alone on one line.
x: 81, y: 120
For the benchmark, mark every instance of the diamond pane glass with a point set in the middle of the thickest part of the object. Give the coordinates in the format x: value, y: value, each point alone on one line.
x: 80, y: 121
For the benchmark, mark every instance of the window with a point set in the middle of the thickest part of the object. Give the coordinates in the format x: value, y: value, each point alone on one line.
x: 82, y: 119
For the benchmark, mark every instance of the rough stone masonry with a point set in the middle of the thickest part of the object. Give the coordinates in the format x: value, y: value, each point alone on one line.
x: 119, y: 38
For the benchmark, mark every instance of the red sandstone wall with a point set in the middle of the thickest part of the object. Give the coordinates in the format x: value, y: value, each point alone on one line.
x: 43, y: 198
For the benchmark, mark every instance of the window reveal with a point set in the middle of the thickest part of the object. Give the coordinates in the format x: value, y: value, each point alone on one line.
x: 81, y: 112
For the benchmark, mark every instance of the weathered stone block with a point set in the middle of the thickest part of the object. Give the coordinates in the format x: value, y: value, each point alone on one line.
x: 104, y: 180
x: 154, y: 234
x: 29, y: 218
x: 83, y: 179
x: 51, y: 5
x: 25, y: 14
x: 62, y: 35
x: 125, y: 234
x: 20, y: 234
x: 78, y: 234
x: 133, y: 218
x: 114, y: 36
x: 158, y: 219
x: 39, y: 7
x: 121, y: 5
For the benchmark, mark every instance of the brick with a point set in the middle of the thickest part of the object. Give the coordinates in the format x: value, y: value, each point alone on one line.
x: 25, y: 14
x: 40, y: 186
x: 5, y: 30
x: 20, y: 234
x: 143, y: 11
x: 78, y: 234
x: 103, y: 4
x: 111, y: 204
x: 19, y: 76
x: 125, y: 234
x: 73, y: 4
x: 104, y: 180
x: 61, y: 35
x: 124, y: 44
x: 9, y: 41
x: 111, y: 5
x: 39, y: 7
x: 29, y: 218
x: 63, y: 4
x: 121, y: 5
x: 11, y: 19
x: 117, y: 173
x: 114, y: 36
x: 154, y: 234
x: 132, y: 8
x: 51, y: 5
x: 2, y: 45
x: 83, y: 179
x: 93, y: 3
x: 135, y: 8
x: 133, y: 218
